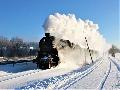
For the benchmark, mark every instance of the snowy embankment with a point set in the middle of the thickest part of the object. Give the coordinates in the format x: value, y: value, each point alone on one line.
x: 14, y: 80
x: 106, y: 76
x: 101, y: 75
x: 60, y: 81
x: 117, y: 56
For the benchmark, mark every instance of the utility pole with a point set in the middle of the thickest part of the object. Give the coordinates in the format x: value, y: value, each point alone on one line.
x: 89, y: 49
x: 88, y: 45
x: 85, y: 56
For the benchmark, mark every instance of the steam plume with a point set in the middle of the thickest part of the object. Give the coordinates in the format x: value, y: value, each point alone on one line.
x: 67, y: 27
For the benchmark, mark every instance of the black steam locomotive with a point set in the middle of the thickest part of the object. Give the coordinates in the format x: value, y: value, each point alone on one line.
x: 47, y: 54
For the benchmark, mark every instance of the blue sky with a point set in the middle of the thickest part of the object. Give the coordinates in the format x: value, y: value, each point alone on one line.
x: 24, y: 18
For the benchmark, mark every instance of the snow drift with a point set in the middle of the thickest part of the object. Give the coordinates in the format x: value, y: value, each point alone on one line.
x: 67, y: 27
x: 117, y: 56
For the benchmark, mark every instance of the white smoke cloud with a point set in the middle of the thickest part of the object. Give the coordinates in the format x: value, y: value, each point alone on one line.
x: 67, y: 27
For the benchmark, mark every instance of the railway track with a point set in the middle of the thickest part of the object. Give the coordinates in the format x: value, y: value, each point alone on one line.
x: 93, y: 80
x: 58, y: 82
x: 76, y: 77
x: 20, y: 79
x: 63, y: 81
x: 105, y: 77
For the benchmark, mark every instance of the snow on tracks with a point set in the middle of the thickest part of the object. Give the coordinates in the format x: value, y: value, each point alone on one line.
x: 113, y: 79
x: 7, y: 80
x: 115, y: 61
x: 20, y: 79
x: 94, y: 79
x: 105, y: 77
x: 13, y: 76
x: 73, y: 78
x: 61, y: 81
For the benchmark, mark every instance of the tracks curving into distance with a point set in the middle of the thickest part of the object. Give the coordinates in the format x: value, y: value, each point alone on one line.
x: 117, y: 65
x: 69, y: 80
x: 105, y: 77
x: 62, y: 81
x: 58, y: 82
x: 80, y: 76
x: 113, y: 66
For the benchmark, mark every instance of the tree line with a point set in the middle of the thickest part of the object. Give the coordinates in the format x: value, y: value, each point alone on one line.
x: 114, y: 50
x: 16, y: 47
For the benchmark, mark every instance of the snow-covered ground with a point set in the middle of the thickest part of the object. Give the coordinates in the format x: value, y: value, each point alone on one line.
x: 15, y: 80
x: 117, y: 56
x: 102, y: 74
x: 76, y: 70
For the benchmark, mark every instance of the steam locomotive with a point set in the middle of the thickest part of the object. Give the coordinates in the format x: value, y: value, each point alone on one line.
x: 47, y: 54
